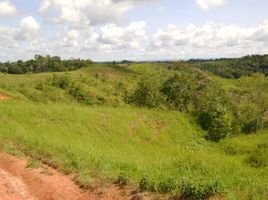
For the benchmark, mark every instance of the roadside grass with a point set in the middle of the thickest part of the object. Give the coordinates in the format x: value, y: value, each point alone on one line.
x: 158, y: 151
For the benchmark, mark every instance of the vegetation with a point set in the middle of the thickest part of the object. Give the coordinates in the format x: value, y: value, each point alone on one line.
x: 165, y: 128
x: 189, y: 90
x: 43, y: 64
x: 234, y: 68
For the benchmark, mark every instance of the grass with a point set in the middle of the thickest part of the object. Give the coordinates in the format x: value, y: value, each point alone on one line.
x: 104, y: 84
x: 156, y: 150
x: 111, y: 143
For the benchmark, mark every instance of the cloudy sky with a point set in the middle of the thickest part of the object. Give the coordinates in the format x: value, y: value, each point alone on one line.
x: 133, y: 29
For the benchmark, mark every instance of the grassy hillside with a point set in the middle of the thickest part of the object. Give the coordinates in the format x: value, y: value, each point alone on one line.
x: 98, y: 83
x: 104, y: 139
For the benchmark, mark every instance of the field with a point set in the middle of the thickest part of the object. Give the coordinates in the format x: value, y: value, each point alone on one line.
x: 92, y: 133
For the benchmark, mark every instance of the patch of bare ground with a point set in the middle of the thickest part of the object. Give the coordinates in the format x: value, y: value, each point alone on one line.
x: 158, y: 126
x: 4, y: 97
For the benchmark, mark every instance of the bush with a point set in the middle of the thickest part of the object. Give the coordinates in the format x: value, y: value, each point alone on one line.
x: 179, y: 91
x: 249, y: 126
x: 185, y: 88
x: 62, y: 82
x: 40, y: 86
x: 215, y: 114
x: 148, y: 92
x: 199, y: 191
x: 220, y: 127
x: 252, y: 98
x: 217, y: 121
x: 80, y: 95
x: 258, y: 158
x: 187, y: 189
x: 249, y: 118
x: 160, y: 185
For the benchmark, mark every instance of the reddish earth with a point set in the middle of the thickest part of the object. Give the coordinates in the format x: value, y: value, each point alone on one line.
x: 3, y: 97
x: 20, y: 183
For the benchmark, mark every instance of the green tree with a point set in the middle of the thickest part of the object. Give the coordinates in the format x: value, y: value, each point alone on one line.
x: 179, y: 91
x: 253, y: 101
x: 184, y: 89
x: 148, y: 91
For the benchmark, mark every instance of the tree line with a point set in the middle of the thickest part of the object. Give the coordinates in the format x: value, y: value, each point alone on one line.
x: 43, y: 64
x: 234, y: 68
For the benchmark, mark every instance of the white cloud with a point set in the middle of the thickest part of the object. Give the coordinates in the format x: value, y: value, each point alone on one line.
x: 211, y: 40
x: 29, y: 24
x: 7, y: 8
x: 132, y: 36
x: 29, y: 29
x: 85, y: 13
x: 209, y: 4
x: 71, y: 40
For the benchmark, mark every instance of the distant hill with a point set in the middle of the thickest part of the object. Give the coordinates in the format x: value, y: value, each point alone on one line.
x: 234, y: 67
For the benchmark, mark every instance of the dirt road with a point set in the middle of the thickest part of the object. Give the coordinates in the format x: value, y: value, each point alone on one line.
x: 20, y: 183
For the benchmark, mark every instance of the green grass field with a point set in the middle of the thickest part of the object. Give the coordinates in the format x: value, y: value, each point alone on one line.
x: 155, y: 150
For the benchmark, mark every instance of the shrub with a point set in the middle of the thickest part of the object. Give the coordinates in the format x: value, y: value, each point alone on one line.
x: 159, y: 184
x: 249, y: 118
x: 80, y: 95
x: 179, y: 91
x: 199, y: 191
x: 220, y: 127
x: 215, y: 114
x: 187, y: 189
x: 40, y: 86
x: 62, y: 82
x: 253, y: 97
x: 185, y: 88
x: 258, y: 158
x: 217, y: 121
x: 148, y: 92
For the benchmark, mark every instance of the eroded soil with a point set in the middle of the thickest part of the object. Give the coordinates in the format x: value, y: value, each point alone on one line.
x: 17, y: 182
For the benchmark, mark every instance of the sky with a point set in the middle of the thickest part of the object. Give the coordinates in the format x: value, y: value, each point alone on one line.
x: 106, y: 30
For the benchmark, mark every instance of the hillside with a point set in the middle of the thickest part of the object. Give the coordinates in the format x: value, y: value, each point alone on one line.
x: 80, y: 123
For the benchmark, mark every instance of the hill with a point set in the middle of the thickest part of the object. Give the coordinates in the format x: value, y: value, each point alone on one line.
x: 80, y: 123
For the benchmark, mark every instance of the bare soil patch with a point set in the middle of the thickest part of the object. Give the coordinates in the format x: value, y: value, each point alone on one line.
x: 4, y: 97
x: 17, y: 182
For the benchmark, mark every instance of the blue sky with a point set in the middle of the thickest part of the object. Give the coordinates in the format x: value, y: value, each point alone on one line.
x: 133, y: 29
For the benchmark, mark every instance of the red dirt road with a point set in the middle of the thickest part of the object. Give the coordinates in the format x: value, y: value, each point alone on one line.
x: 20, y: 183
